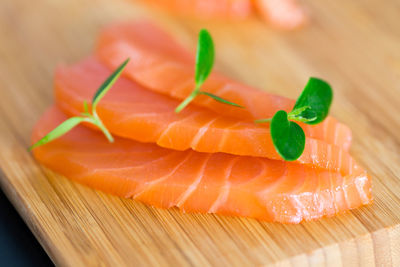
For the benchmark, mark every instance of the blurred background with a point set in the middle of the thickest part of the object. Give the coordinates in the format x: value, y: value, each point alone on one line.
x: 18, y: 246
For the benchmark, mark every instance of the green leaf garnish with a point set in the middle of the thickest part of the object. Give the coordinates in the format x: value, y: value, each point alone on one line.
x: 287, y: 136
x: 108, y: 83
x: 219, y: 99
x: 204, y: 57
x: 311, y: 107
x: 204, y: 64
x: 60, y: 130
x: 317, y: 95
x: 92, y: 118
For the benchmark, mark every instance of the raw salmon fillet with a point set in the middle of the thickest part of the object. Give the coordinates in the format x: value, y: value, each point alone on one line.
x: 235, y: 9
x: 284, y: 14
x: 162, y: 65
x: 219, y: 183
x: 128, y: 110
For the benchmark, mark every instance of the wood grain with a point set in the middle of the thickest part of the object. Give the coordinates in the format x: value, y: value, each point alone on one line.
x: 352, y: 44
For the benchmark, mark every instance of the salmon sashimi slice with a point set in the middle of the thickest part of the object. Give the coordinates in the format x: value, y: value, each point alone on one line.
x: 205, y: 9
x: 284, y: 14
x: 162, y: 65
x: 219, y: 183
x: 130, y: 111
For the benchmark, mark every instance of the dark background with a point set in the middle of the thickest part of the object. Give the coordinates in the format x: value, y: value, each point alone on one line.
x: 18, y: 246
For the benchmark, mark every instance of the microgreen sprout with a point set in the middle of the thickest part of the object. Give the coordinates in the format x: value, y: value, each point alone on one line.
x: 87, y: 116
x: 311, y: 107
x: 204, y: 63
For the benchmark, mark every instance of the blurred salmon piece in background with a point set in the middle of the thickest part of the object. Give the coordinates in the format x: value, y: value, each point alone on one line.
x: 206, y: 9
x: 283, y: 14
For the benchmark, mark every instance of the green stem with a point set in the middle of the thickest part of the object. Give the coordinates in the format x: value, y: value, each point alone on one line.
x: 186, y: 101
x: 97, y: 121
x: 106, y: 132
x: 263, y: 120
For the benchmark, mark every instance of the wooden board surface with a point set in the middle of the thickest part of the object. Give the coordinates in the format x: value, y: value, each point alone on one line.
x: 352, y: 44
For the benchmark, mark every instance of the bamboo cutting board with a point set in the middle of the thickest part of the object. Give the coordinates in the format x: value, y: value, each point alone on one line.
x: 352, y: 44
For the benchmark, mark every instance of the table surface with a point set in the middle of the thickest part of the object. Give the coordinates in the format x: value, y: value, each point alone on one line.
x: 352, y: 44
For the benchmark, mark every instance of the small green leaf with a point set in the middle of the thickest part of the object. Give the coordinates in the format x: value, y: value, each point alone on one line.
x: 204, y: 64
x: 219, y: 99
x: 318, y: 95
x: 107, y: 84
x: 287, y: 136
x: 60, y: 130
x: 204, y: 57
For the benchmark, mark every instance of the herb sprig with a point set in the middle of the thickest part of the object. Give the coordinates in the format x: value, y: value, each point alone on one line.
x: 204, y: 63
x: 311, y: 107
x: 89, y: 117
